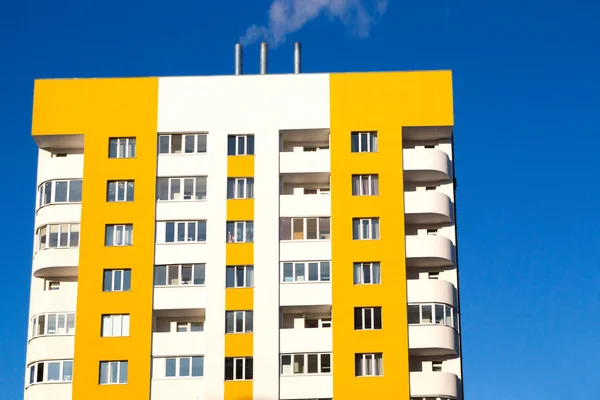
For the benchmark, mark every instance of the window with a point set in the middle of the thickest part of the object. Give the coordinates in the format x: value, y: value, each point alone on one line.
x: 65, y: 191
x: 115, y: 325
x: 440, y: 314
x: 51, y: 285
x: 239, y: 277
x: 58, y: 236
x: 179, y: 274
x: 367, y: 318
x: 240, y: 188
x: 183, y: 327
x: 433, y: 275
x: 184, y: 367
x: 238, y: 321
x: 368, y: 364
x: 294, y: 364
x: 185, y: 231
x: 240, y: 145
x: 116, y: 280
x: 51, y: 371
x: 240, y: 231
x: 53, y: 324
x: 304, y: 228
x: 306, y: 271
x: 119, y: 235
x: 364, y: 142
x: 113, y: 372
x: 190, y: 188
x: 238, y: 368
x: 436, y: 366
x: 367, y: 273
x: 119, y: 191
x: 365, y: 228
x: 365, y: 185
x: 182, y: 143
x: 121, y: 148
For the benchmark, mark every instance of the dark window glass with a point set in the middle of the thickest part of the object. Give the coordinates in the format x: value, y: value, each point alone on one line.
x: 231, y: 145
x: 358, y: 318
x: 250, y: 145
x: 377, y: 318
x: 229, y: 369
x: 107, y: 285
x: 249, y: 368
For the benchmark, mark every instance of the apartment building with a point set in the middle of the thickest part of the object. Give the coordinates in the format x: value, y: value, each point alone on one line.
x: 245, y: 237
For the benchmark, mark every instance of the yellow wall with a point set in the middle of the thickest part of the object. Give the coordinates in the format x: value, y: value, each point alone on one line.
x: 239, y: 299
x: 100, y: 109
x: 382, y: 102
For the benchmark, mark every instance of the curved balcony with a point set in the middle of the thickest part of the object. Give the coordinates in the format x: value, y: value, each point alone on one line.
x: 429, y: 251
x: 48, y: 301
x: 429, y: 207
x: 426, y: 165
x: 58, y: 213
x: 431, y: 291
x: 49, y: 390
x: 50, y: 347
x: 432, y: 340
x: 56, y: 262
x: 50, y: 168
x: 434, y: 384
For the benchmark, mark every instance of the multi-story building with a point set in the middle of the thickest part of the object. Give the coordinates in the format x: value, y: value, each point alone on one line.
x: 245, y: 237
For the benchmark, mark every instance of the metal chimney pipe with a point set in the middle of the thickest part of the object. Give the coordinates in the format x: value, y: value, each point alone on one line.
x: 297, y: 57
x: 263, y: 58
x: 238, y: 59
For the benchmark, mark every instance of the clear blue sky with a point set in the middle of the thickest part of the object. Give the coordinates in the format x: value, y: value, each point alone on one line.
x: 526, y: 92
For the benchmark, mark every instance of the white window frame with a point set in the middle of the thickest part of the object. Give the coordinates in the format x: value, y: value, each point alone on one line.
x: 320, y: 235
x: 45, y: 231
x: 187, y: 237
x: 237, y: 360
x: 370, y: 311
x: 113, y: 380
x: 115, y: 325
x: 237, y: 150
x: 245, y: 328
x: 179, y: 280
x: 50, y: 285
x: 188, y: 326
x: 244, y: 270
x: 293, y: 367
x: 369, y: 360
x: 67, y: 328
x: 366, y: 270
x: 171, y: 150
x: 122, y: 235
x: 114, y: 278
x: 372, y: 146
x: 128, y: 189
x: 304, y: 277
x: 437, y: 366
x: 42, y: 188
x: 232, y: 237
x: 128, y: 143
x: 180, y: 195
x: 245, y: 183
x: 178, y: 361
x: 33, y: 371
x: 447, y: 318
x: 372, y: 183
x: 369, y: 223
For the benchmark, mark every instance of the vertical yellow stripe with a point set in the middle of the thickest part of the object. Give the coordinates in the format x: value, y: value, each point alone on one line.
x: 382, y: 102
x: 100, y: 109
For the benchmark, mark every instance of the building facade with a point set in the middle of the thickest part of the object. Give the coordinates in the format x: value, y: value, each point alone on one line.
x: 245, y: 237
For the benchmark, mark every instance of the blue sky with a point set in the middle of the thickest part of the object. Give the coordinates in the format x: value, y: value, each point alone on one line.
x: 526, y: 106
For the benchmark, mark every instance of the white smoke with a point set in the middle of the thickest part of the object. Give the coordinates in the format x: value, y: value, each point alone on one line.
x: 289, y: 16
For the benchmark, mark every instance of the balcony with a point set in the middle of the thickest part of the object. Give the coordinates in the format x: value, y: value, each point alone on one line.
x: 69, y: 167
x: 424, y: 133
x: 428, y: 207
x: 305, y: 329
x: 304, y: 151
x: 434, y: 384
x: 427, y: 251
x: 44, y: 301
x: 58, y: 213
x: 426, y: 165
x: 183, y: 164
x: 180, y: 253
x: 304, y: 293
x: 305, y: 194
x: 178, y: 332
x: 432, y: 340
x: 56, y: 262
x: 50, y: 390
x: 183, y: 210
x: 431, y: 291
x: 180, y: 388
x: 50, y: 347
x: 306, y: 387
x: 179, y: 297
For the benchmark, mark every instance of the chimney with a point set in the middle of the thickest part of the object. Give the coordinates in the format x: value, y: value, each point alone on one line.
x: 297, y: 56
x: 263, y: 58
x: 238, y: 59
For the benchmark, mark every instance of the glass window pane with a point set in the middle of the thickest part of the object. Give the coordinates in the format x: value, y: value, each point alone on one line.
x: 131, y: 148
x: 189, y: 143
x: 163, y: 144
x: 439, y: 313
x: 374, y: 185
x: 313, y: 363
x: 123, y: 371
x: 239, y: 276
x: 367, y: 273
x: 160, y: 275
x: 112, y: 148
x: 325, y: 271
x: 47, y: 192
x: 298, y: 225
x: 201, y: 143
x: 125, y: 325
x: 67, y: 373
x: 229, y: 369
x: 354, y: 141
x: 286, y: 364
x: 129, y: 191
x: 355, y: 185
x: 250, y: 140
x: 299, y: 363
x: 117, y: 329
x: 313, y: 271
x: 239, y: 321
x: 230, y: 277
x: 200, y: 188
x: 368, y: 318
x: 51, y: 324
x: 285, y: 228
x: 127, y: 280
x: 377, y: 318
x: 74, y: 236
x: 199, y: 274
x: 230, y: 188
x: 64, y: 236
x: 249, y: 231
x: 70, y: 323
x: 128, y: 235
x: 229, y: 315
x: 188, y: 188
x: 121, y: 191
x: 117, y: 275
x: 75, y: 188
x: 299, y: 267
x: 175, y: 144
x: 114, y: 372
x: 449, y: 316
x: 53, y: 371
x: 110, y: 230
x: 162, y: 189
x: 173, y: 278
x: 249, y: 321
x: 180, y: 232
x: 186, y: 275
x: 170, y: 367
x: 326, y: 363
x: 191, y: 231
x: 365, y: 189
x: 364, y: 233
x: 230, y: 229
x: 198, y: 364
x: 375, y: 267
x: 426, y: 312
x: 241, y: 145
x: 373, y: 142
x: 111, y: 191
x: 249, y: 276
x: 250, y: 188
x: 324, y: 228
x: 103, y: 373
x: 311, y: 228
x: 358, y: 318
x: 184, y: 366
x: 175, y: 189
x: 202, y: 231
x: 288, y: 272
x: 239, y: 368
x: 375, y: 228
x: 107, y: 282
x: 357, y: 273
x: 231, y: 145
x: 363, y: 142
x: 122, y: 148
x: 240, y: 184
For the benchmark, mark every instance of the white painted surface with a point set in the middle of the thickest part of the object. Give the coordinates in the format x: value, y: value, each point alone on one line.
x: 58, y: 214
x: 178, y: 388
x: 49, y: 391
x: 306, y: 340
x: 44, y: 301
x: 178, y: 344
x: 432, y: 340
x: 428, y: 207
x: 429, y: 251
x: 431, y: 291
x: 305, y: 250
x: 434, y: 384
x: 313, y: 205
x: 426, y: 165
x: 174, y: 165
x: 50, y: 347
x: 179, y: 297
x: 182, y: 211
x: 56, y: 262
x: 188, y: 253
x: 304, y: 162
x: 307, y: 386
x: 305, y: 294
x: 49, y: 168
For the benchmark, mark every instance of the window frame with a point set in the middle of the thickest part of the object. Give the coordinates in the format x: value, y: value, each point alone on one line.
x: 109, y: 370
x: 195, y: 196
x: 246, y: 184
x: 305, y: 363
x: 305, y: 270
x: 180, y: 276
x: 129, y: 188
x: 363, y: 359
x: 188, y: 326
x: 371, y: 142
x: 373, y: 228
x: 114, y: 276
x: 245, y: 373
x: 371, y: 266
x: 41, y: 190
x: 372, y: 183
x: 33, y: 371
x: 108, y: 330
x: 235, y: 151
x: 126, y: 229
x: 247, y: 231
x: 200, y: 235
x: 247, y: 274
x: 178, y: 362
x: 44, y: 233
x: 322, y: 234
x: 234, y: 320
x: 448, y: 318
x: 130, y: 143
x: 68, y: 319
x: 184, y: 136
x: 374, y: 314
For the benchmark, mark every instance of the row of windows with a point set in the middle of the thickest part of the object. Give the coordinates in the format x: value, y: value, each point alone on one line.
x: 58, y: 235
x: 53, y: 324
x: 441, y: 314
x: 51, y: 371
x: 63, y: 191
x: 311, y: 363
